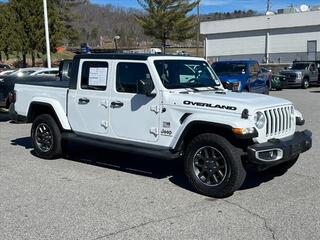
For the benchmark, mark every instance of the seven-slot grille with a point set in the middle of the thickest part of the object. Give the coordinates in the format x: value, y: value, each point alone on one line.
x: 279, y: 120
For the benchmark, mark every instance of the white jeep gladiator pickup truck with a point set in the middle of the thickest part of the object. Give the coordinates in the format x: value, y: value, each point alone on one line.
x: 167, y: 107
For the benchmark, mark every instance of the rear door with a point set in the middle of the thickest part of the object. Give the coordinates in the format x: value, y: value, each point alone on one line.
x: 261, y: 79
x: 88, y: 110
x: 257, y: 78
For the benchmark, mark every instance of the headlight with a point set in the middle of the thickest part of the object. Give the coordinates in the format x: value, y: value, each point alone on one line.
x: 236, y: 86
x: 259, y: 120
x: 299, y: 75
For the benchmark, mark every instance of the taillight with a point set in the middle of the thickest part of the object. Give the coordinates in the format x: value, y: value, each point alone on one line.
x: 12, y: 97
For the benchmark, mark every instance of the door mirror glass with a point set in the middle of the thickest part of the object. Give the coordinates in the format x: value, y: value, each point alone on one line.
x: 145, y: 87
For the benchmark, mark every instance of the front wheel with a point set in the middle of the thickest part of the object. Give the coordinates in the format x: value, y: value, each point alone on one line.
x: 213, y: 166
x: 305, y: 83
x: 46, y: 137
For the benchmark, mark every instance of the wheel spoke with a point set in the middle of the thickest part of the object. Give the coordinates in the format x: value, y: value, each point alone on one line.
x: 201, y: 174
x: 198, y: 164
x: 215, y: 178
x: 220, y: 173
x: 206, y: 153
x: 208, y: 179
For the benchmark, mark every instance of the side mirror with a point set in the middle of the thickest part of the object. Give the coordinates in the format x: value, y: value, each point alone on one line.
x: 145, y: 87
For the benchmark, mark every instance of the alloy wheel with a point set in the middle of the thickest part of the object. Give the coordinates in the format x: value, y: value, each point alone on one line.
x: 44, y: 137
x: 210, y: 166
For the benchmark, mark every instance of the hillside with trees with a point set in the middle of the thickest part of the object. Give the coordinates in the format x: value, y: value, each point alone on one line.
x: 72, y: 22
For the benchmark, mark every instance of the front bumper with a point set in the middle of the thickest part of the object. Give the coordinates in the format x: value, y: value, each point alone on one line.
x: 287, y: 149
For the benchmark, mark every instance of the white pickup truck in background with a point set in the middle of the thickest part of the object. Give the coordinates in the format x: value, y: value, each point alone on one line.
x: 167, y: 107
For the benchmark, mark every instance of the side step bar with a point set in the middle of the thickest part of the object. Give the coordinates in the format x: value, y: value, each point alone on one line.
x: 123, y: 146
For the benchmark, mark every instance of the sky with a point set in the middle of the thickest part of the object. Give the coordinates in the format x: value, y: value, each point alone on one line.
x: 207, y: 6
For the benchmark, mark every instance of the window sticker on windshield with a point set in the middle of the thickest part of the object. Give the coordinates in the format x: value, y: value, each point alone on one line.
x: 98, y: 76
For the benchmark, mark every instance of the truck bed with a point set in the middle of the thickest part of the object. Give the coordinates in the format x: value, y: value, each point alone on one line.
x: 58, y: 84
x: 53, y: 92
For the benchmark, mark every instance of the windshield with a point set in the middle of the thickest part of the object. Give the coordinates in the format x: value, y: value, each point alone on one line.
x: 299, y: 66
x: 229, y: 68
x: 186, y: 74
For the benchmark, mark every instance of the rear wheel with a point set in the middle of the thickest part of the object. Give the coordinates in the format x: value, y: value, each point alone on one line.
x: 213, y: 166
x: 46, y: 137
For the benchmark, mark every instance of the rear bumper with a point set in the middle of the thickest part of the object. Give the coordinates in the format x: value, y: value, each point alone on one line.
x: 14, y: 116
x: 283, y: 149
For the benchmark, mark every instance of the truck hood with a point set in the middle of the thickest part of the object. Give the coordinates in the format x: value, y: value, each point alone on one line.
x: 233, y: 102
x: 232, y: 78
x: 291, y: 71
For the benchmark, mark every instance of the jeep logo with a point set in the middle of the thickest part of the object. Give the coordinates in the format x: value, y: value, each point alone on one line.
x: 209, y: 105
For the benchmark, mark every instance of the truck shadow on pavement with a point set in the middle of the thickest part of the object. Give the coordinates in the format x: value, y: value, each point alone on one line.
x: 140, y: 165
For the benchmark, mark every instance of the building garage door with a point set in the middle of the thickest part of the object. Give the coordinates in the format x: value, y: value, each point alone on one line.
x: 312, y: 50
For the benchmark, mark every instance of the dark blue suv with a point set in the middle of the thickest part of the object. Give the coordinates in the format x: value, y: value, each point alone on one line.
x: 242, y: 75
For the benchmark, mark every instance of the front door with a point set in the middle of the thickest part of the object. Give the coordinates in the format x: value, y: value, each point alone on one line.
x: 313, y: 73
x: 88, y: 105
x: 133, y: 116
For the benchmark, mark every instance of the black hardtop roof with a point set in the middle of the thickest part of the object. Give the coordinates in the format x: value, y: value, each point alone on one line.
x: 127, y: 56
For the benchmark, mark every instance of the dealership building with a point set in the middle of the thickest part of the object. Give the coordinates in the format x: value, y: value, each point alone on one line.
x: 280, y: 38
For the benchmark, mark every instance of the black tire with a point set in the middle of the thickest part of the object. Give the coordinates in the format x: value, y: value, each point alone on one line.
x: 245, y: 90
x: 234, y: 173
x: 305, y: 83
x: 46, y: 137
x: 283, y: 167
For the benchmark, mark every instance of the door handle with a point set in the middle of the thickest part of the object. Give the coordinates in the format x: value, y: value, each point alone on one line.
x: 116, y: 104
x: 83, y: 101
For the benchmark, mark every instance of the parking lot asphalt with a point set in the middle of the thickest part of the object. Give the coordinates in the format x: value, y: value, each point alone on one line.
x: 99, y: 194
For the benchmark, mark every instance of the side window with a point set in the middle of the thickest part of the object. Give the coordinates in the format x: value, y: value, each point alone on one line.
x: 128, y: 75
x: 251, y: 69
x: 256, y: 68
x: 312, y: 68
x: 94, y: 75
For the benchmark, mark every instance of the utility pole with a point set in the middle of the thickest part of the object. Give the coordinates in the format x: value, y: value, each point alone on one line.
x: 198, y: 28
x: 268, y: 6
x: 46, y: 27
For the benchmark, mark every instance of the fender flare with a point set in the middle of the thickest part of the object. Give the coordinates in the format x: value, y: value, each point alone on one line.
x: 227, y: 123
x: 54, y: 106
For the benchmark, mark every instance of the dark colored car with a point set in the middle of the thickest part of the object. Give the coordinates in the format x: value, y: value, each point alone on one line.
x: 279, y: 82
x: 242, y: 75
x: 303, y: 74
x: 4, y: 67
x: 7, y: 82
